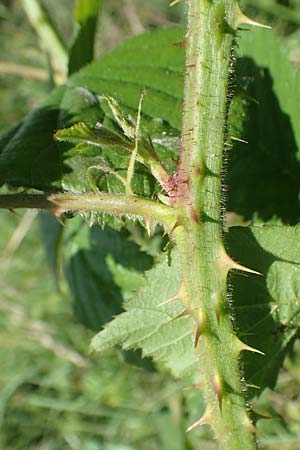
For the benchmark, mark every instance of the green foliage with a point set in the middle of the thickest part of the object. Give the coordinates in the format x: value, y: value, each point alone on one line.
x: 101, y: 267
x: 50, y: 391
x: 93, y: 117
x: 29, y: 165
x: 269, y: 163
x: 82, y: 51
x: 266, y: 308
x: 150, y: 324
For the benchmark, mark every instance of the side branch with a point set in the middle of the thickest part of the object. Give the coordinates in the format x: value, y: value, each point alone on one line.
x: 31, y: 201
x: 109, y: 203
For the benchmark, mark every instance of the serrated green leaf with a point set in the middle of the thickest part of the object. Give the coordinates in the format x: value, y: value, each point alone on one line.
x: 124, y: 123
x: 267, y: 307
x: 82, y: 100
x: 147, y: 61
x: 82, y: 133
x: 149, y: 325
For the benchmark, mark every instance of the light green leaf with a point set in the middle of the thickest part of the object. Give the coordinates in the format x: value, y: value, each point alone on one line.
x: 148, y: 325
x: 82, y: 133
x: 124, y: 123
x: 266, y: 308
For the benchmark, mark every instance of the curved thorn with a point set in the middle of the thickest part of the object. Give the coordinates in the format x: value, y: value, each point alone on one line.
x: 238, y: 266
x: 180, y: 295
x: 148, y: 225
x: 184, y: 313
x: 174, y: 2
x: 244, y: 20
x: 177, y: 224
x: 226, y: 262
x: 217, y: 387
x: 199, y: 328
x: 253, y: 386
x: 199, y: 423
x: 234, y: 138
x: 244, y: 347
x: 180, y: 44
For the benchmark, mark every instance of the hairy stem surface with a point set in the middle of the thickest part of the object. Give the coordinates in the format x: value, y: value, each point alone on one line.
x: 116, y: 204
x: 197, y: 194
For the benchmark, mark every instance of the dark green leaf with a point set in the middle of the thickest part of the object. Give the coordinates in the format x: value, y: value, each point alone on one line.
x: 124, y: 73
x: 30, y: 157
x: 267, y: 307
x: 101, y: 267
x: 264, y: 175
x: 82, y: 51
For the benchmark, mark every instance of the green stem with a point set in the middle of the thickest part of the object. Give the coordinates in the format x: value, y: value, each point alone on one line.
x: 110, y: 203
x: 49, y: 36
x: 197, y: 195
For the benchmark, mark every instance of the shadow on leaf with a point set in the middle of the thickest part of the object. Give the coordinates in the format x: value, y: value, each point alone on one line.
x: 264, y: 312
x: 263, y: 175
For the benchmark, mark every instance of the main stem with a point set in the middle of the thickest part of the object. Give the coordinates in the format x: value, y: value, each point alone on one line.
x: 197, y: 195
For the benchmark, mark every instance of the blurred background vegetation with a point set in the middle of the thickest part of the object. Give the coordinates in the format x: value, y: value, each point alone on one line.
x: 52, y: 396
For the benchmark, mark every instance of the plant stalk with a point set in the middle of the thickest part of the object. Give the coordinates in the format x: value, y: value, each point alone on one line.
x: 117, y: 204
x: 48, y: 34
x: 197, y: 195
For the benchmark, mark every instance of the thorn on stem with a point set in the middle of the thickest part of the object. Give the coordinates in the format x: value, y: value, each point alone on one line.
x: 217, y: 312
x: 244, y: 347
x: 184, y: 313
x: 244, y: 20
x: 217, y: 386
x: 174, y: 2
x: 181, y: 43
x: 148, y: 225
x: 249, y: 425
x: 199, y: 329
x: 234, y: 138
x: 203, y: 420
x: 180, y: 295
x: 227, y: 262
x: 177, y: 224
